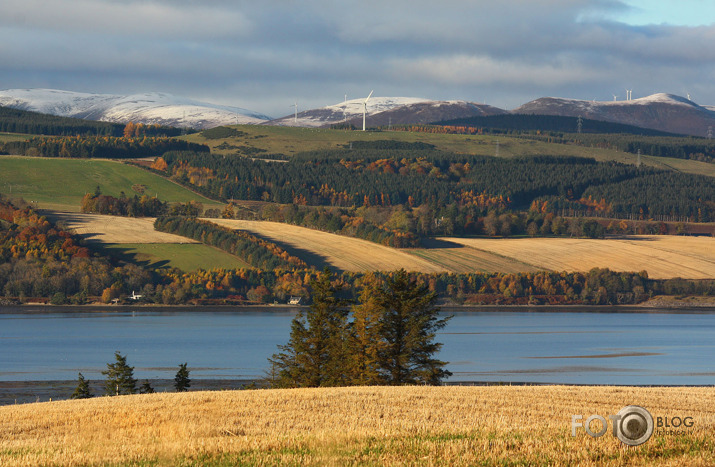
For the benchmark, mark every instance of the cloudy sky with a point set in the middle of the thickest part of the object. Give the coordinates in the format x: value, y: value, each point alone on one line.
x: 266, y: 54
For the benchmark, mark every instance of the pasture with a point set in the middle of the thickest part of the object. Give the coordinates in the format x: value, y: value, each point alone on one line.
x: 60, y: 184
x: 291, y: 140
x: 455, y: 425
x: 187, y: 257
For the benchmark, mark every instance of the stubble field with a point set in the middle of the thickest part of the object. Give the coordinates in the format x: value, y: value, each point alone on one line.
x: 505, y: 425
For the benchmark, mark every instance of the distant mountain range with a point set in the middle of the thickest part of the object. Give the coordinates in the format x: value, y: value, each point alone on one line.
x: 160, y: 108
x: 383, y: 111
x: 663, y: 112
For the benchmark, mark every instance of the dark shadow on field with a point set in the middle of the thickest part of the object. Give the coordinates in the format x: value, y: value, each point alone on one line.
x: 434, y: 243
x: 125, y: 255
x: 310, y: 257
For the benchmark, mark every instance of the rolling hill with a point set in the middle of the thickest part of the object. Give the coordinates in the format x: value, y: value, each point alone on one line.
x: 149, y: 108
x: 383, y: 111
x: 663, y: 112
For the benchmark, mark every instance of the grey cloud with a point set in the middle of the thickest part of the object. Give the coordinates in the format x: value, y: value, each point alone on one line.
x: 261, y: 54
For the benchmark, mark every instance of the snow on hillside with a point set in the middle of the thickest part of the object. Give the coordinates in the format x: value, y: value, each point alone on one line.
x: 160, y: 108
x: 350, y: 109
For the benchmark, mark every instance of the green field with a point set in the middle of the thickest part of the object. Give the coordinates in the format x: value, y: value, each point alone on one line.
x: 60, y: 184
x: 10, y: 137
x: 291, y: 140
x: 187, y: 256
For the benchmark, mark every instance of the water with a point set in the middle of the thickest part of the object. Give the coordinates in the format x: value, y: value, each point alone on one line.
x: 492, y: 346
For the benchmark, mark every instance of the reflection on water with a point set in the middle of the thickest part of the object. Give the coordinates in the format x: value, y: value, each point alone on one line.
x: 494, y: 346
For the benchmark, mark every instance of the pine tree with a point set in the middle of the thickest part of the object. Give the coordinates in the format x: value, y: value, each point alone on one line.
x: 408, y: 324
x: 317, y: 349
x: 82, y: 391
x: 181, y: 381
x: 120, y: 377
x: 366, y: 342
x: 146, y: 388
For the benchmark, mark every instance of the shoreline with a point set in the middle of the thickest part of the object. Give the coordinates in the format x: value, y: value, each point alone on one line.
x: 33, y: 391
x: 646, y: 307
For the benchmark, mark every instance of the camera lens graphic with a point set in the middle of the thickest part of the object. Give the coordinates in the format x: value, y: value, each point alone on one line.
x: 635, y: 425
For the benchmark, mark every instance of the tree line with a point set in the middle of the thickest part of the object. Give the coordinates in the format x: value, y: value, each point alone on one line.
x: 110, y: 147
x: 258, y: 252
x: 35, y: 123
x: 120, y: 380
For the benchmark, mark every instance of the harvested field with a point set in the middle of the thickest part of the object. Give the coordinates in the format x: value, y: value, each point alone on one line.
x: 663, y: 256
x: 345, y: 253
x: 114, y: 229
x: 464, y: 259
x: 495, y: 425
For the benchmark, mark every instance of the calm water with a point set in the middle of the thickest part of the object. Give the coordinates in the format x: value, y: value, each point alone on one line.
x: 539, y: 347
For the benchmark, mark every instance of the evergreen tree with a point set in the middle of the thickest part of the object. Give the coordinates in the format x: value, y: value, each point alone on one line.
x: 82, y: 390
x: 181, y: 381
x: 366, y: 342
x: 408, y: 324
x: 317, y: 349
x: 120, y: 377
x: 146, y: 388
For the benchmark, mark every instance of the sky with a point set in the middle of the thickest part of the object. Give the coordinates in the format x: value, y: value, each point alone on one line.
x: 264, y: 55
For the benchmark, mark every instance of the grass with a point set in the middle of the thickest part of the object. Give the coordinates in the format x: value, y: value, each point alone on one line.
x: 663, y: 256
x: 60, y: 184
x: 187, y: 257
x: 11, y: 137
x: 291, y: 140
x: 488, y: 425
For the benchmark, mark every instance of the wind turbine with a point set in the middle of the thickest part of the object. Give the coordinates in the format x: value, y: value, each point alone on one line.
x: 296, y: 112
x: 615, y: 98
x: 364, y: 109
x: 345, y: 110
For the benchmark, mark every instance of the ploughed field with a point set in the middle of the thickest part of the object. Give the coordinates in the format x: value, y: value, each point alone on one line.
x: 456, y: 425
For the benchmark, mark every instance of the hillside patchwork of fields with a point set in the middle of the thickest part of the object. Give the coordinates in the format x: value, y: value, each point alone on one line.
x: 494, y: 425
x: 662, y: 256
x: 290, y: 140
x: 345, y: 253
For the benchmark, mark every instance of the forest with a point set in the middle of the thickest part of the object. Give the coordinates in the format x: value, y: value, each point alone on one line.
x: 35, y: 123
x: 424, y: 178
x: 109, y: 147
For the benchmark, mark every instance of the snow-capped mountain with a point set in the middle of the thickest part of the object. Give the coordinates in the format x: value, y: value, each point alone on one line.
x: 149, y: 108
x: 664, y: 112
x: 385, y: 110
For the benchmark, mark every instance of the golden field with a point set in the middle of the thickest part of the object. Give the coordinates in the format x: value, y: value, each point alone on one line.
x: 457, y: 425
x: 346, y: 253
x: 115, y: 229
x: 663, y: 256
